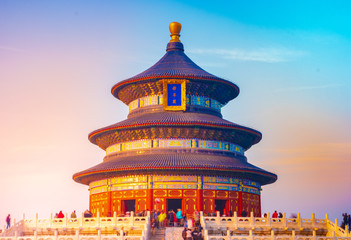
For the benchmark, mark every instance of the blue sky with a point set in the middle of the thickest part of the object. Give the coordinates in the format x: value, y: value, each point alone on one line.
x: 291, y: 60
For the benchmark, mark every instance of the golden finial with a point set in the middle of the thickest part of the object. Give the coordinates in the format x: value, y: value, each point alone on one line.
x: 174, y: 28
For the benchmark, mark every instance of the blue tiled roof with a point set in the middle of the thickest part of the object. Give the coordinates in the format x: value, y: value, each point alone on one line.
x: 177, y: 119
x: 176, y: 161
x: 175, y: 64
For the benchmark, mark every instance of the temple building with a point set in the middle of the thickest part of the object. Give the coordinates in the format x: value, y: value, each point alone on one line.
x: 175, y: 150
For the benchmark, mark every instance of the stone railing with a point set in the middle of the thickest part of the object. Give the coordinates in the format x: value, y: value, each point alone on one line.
x: 274, y: 237
x: 75, y: 237
x: 335, y: 230
x: 256, y: 228
x: 138, y: 228
x: 98, y: 228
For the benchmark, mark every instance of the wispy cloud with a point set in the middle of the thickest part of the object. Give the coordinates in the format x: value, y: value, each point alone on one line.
x: 302, y: 88
x: 32, y: 148
x: 11, y: 49
x: 332, y: 154
x: 269, y: 55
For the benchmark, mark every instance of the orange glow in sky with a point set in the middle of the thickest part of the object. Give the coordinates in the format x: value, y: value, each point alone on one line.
x: 59, y: 60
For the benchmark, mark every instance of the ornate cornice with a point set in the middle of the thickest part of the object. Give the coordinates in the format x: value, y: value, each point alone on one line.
x: 220, y: 90
x: 235, y: 134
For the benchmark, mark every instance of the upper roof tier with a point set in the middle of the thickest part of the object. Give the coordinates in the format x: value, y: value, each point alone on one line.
x: 175, y: 64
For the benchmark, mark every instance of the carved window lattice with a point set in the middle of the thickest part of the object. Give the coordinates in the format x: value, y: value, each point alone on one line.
x: 190, y: 205
x: 189, y: 193
x: 175, y: 193
x: 209, y: 193
x: 233, y: 194
x: 160, y: 193
x: 222, y: 194
x: 128, y: 194
x: 141, y: 204
x: 208, y: 205
x: 117, y: 194
x: 140, y: 193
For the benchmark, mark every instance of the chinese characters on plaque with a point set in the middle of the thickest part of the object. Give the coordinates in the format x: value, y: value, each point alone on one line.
x: 174, y: 94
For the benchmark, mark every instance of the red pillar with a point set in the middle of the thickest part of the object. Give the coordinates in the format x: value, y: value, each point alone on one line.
x: 149, y: 199
x: 259, y: 206
x: 109, y: 204
x: 149, y: 193
x: 200, y: 194
x: 89, y: 201
x: 240, y: 203
x: 199, y: 200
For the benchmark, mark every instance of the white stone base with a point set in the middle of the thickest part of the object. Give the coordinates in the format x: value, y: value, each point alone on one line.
x: 174, y: 233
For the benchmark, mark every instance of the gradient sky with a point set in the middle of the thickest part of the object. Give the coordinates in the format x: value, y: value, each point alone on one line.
x: 59, y: 60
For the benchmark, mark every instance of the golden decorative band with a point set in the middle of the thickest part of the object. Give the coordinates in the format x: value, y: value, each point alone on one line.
x: 190, y: 101
x: 138, y: 182
x: 174, y: 143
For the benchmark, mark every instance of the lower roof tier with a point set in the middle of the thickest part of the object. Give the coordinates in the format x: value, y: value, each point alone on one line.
x: 175, y: 125
x: 185, y: 162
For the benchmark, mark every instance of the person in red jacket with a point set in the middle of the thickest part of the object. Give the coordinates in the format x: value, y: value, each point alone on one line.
x: 60, y: 215
x: 175, y: 219
x: 275, y: 214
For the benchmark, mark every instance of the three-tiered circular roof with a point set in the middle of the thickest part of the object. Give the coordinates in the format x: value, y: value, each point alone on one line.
x: 188, y: 124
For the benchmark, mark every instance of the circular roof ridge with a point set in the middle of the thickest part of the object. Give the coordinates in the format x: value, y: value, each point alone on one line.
x: 174, y: 64
x: 176, y: 161
x: 176, y: 119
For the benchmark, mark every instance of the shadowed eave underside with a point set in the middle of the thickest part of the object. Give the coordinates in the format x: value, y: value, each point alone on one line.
x: 176, y: 163
x: 175, y: 120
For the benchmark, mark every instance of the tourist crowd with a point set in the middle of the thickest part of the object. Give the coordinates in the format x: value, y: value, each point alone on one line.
x: 192, y: 228
x: 89, y: 214
x: 86, y: 214
x: 346, y: 221
x: 277, y: 215
x: 160, y: 219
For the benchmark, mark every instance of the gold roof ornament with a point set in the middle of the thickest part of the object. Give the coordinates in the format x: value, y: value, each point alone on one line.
x: 174, y: 28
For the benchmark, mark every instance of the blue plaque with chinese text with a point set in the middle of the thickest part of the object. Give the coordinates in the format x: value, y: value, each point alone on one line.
x: 174, y: 94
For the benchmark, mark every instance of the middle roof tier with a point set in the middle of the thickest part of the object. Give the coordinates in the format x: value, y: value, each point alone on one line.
x: 175, y: 125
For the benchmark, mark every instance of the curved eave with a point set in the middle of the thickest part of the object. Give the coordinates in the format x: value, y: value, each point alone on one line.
x: 166, y: 160
x: 116, y: 88
x: 87, y: 177
x: 94, y: 135
x: 175, y: 64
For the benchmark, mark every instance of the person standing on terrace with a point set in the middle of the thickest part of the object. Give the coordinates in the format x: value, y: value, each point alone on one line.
x: 60, y: 215
x: 161, y: 219
x: 244, y: 213
x: 8, y: 221
x: 179, y: 217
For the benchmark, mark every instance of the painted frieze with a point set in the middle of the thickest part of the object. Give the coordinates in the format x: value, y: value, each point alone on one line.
x: 175, y: 143
x: 154, y: 100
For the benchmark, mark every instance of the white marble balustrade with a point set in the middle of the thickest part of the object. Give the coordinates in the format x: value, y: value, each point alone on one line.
x: 97, y: 228
x: 245, y: 228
